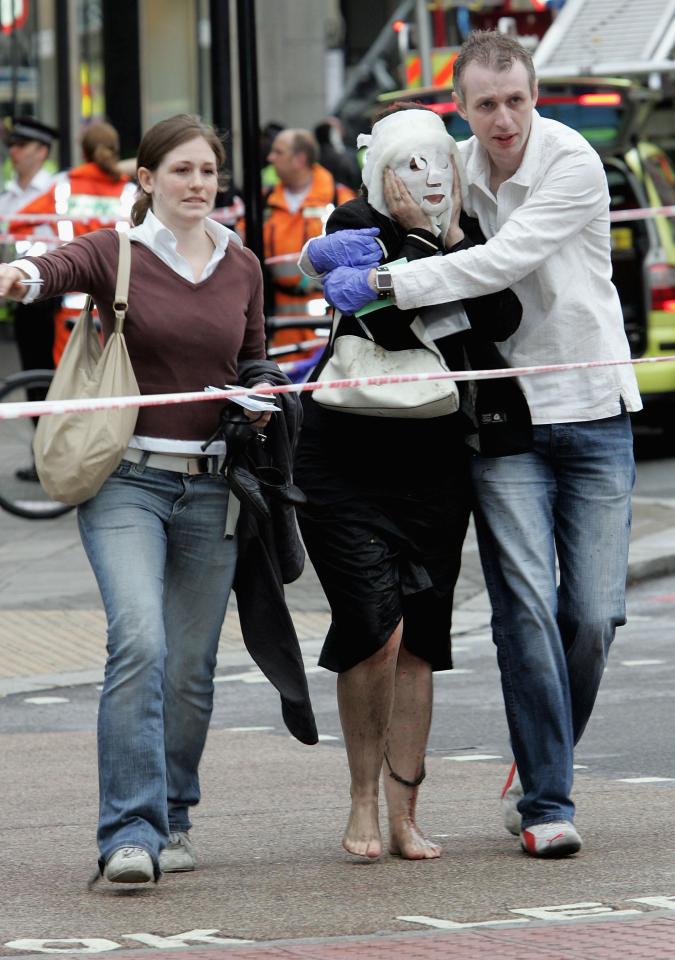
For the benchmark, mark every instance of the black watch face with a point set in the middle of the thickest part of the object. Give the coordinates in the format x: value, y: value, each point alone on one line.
x: 384, y: 280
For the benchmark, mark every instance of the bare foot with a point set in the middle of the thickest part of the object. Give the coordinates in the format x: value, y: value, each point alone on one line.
x: 362, y: 836
x: 407, y: 840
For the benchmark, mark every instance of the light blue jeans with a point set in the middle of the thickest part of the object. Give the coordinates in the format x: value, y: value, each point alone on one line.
x: 156, y: 542
x: 569, y: 497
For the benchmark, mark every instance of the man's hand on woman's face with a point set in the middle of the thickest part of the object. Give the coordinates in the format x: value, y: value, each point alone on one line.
x: 455, y: 233
x: 10, y: 285
x: 401, y: 205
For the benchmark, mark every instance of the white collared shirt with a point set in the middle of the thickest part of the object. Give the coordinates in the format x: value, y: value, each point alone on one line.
x: 548, y: 239
x: 160, y: 239
x: 14, y: 197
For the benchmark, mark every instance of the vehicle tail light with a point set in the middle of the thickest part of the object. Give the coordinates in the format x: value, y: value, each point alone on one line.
x: 662, y: 287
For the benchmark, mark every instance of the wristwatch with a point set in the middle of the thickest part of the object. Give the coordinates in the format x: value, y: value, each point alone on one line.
x: 384, y: 282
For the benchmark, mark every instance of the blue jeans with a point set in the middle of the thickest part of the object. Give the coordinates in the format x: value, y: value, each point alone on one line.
x: 570, y: 496
x: 156, y: 542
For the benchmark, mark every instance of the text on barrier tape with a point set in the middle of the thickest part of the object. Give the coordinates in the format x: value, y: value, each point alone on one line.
x: 15, y: 411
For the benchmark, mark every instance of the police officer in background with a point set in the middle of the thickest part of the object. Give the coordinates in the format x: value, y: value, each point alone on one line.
x: 28, y: 144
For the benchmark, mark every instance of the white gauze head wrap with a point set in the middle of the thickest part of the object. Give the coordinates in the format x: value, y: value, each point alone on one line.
x: 393, y: 135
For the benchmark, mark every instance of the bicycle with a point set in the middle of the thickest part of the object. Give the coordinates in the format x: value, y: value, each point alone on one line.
x: 20, y: 490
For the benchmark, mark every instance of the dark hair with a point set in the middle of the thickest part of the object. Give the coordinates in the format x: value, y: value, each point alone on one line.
x: 491, y: 49
x: 101, y: 145
x: 161, y: 139
x: 397, y: 106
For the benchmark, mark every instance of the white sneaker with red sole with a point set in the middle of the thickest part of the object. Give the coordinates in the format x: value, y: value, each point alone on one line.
x: 550, y: 840
x: 511, y: 794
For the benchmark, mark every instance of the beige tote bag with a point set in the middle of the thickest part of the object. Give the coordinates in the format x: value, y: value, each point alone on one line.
x: 76, y: 452
x: 354, y: 357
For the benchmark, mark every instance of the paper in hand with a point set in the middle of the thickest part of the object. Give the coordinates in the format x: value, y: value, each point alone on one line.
x: 258, y: 403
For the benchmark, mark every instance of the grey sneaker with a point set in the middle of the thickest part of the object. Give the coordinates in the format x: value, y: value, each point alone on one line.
x: 129, y: 865
x: 511, y: 794
x: 178, y: 855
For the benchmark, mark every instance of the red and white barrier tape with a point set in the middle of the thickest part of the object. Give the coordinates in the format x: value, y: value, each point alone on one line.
x: 219, y: 213
x: 641, y: 213
x: 224, y: 215
x: 14, y: 411
x: 616, y: 216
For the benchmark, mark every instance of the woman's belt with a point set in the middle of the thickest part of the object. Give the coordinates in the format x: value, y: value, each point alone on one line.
x: 191, y: 464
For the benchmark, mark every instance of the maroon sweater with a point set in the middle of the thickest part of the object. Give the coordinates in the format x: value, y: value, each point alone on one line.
x: 181, y: 336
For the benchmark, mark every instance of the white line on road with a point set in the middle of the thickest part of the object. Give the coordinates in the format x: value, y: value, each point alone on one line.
x: 474, y: 756
x: 646, y: 780
x: 41, y: 700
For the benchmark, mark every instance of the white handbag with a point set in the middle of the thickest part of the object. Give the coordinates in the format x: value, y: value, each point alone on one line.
x: 354, y: 356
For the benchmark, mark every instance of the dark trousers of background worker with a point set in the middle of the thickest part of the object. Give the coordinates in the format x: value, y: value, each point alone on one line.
x: 34, y: 334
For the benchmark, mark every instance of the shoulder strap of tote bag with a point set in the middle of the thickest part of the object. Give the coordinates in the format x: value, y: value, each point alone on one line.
x: 121, y: 301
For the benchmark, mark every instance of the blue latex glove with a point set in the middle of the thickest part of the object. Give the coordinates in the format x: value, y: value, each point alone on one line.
x: 347, y: 288
x: 345, y: 248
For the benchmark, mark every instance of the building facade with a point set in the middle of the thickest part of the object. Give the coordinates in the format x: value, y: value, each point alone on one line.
x: 134, y: 62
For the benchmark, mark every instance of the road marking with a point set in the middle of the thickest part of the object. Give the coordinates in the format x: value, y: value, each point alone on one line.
x: 641, y: 663
x: 563, y: 911
x: 551, y: 913
x: 99, y: 945
x: 474, y: 756
x: 327, y: 736
x: 254, y: 676
x: 439, y: 924
x: 246, y: 729
x: 40, y: 700
x: 646, y: 780
x: 572, y: 911
x: 250, y: 676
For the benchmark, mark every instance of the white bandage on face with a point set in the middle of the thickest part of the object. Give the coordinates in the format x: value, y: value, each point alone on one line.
x: 417, y: 147
x: 427, y: 175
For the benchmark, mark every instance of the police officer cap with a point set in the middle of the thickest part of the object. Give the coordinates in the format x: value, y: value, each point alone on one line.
x: 28, y: 128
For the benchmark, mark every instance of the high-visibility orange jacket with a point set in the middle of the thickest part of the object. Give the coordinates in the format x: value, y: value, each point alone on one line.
x: 284, y: 233
x: 94, y: 197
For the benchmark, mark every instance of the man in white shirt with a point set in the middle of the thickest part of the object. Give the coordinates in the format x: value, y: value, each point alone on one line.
x: 539, y: 192
x: 28, y: 144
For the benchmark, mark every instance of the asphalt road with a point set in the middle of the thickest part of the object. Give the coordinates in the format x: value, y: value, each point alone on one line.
x: 267, y: 832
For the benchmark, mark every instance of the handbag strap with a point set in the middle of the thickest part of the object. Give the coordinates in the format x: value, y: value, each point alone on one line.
x: 337, y: 316
x: 121, y: 301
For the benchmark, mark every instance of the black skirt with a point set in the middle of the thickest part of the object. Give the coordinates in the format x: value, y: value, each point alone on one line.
x: 389, y: 503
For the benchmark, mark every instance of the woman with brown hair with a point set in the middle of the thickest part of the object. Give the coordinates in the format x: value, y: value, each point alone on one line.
x: 155, y: 533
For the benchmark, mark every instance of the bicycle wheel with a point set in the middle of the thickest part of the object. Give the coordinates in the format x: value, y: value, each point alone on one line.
x: 20, y: 490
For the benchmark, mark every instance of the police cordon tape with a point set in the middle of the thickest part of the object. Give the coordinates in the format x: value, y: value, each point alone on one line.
x: 223, y: 215
x: 616, y: 216
x: 15, y: 411
x: 218, y: 213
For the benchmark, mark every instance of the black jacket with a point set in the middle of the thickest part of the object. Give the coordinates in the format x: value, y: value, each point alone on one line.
x: 499, y: 407
x: 270, y: 554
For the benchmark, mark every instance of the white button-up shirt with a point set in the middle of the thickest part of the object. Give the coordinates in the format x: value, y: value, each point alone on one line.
x: 14, y: 197
x: 548, y: 239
